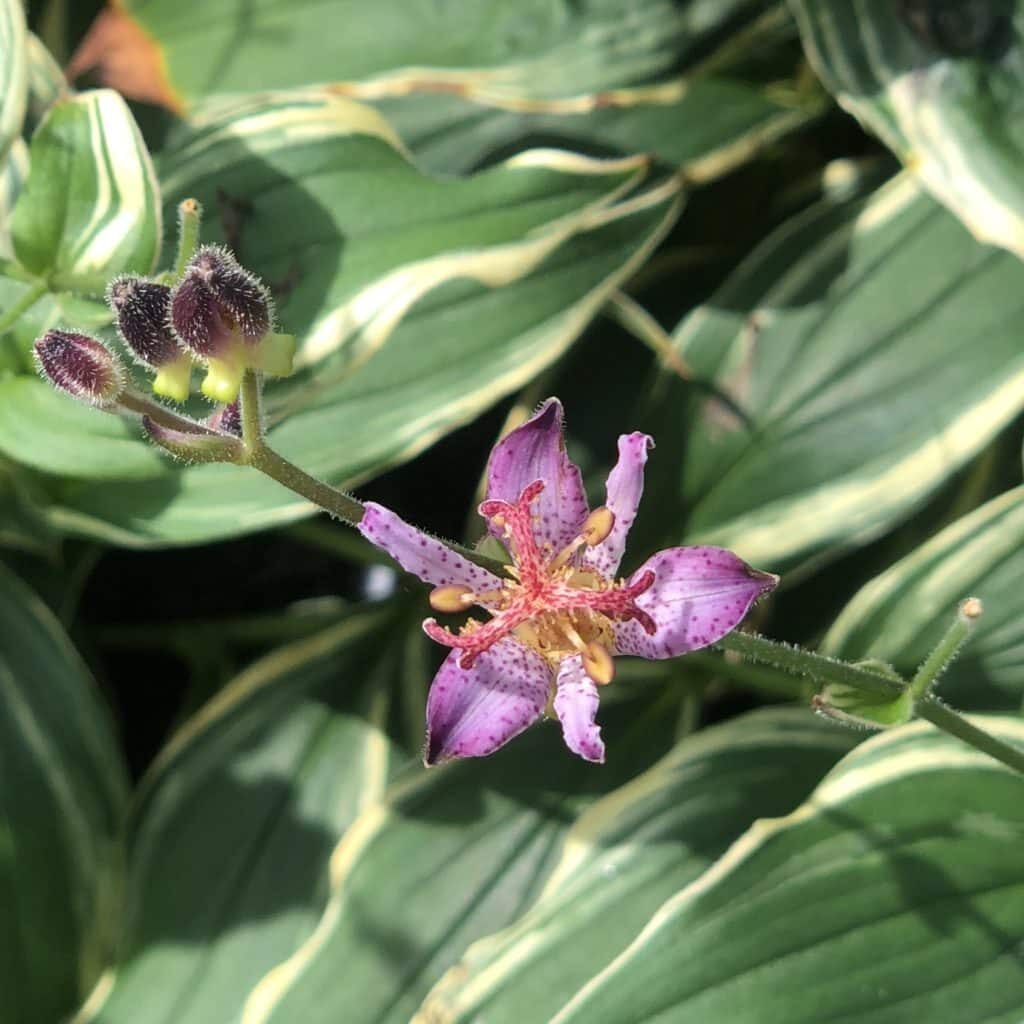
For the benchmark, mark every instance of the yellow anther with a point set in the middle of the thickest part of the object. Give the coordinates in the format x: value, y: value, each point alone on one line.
x: 452, y: 598
x: 598, y: 663
x: 598, y: 526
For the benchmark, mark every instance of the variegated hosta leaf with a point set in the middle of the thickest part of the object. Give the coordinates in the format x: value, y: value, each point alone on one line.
x: 460, y: 291
x: 13, y: 72
x: 46, y: 81
x: 43, y: 427
x: 278, y: 871
x: 530, y: 49
x: 901, y: 615
x: 939, y: 82
x: 22, y: 527
x: 13, y: 172
x: 707, y: 124
x: 866, y: 351
x: 462, y: 82
x: 63, y: 791
x: 628, y: 853
x: 91, y: 206
x: 448, y: 856
x: 895, y: 894
x: 234, y: 827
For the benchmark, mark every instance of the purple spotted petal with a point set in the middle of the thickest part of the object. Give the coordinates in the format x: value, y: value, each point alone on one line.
x: 576, y: 706
x: 624, y: 488
x: 536, y: 451
x: 472, y: 712
x: 421, y: 554
x: 699, y: 595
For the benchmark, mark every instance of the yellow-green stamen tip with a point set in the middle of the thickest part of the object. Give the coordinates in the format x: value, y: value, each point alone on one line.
x: 223, y: 380
x: 174, y: 380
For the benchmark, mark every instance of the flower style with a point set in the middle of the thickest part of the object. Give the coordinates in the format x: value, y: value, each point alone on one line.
x: 559, y: 618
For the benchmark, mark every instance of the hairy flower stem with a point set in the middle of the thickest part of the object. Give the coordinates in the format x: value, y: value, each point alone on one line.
x: 797, y: 661
x: 947, y: 648
x: 250, y: 404
x: 143, y: 406
x: 828, y: 670
x: 190, y: 214
x: 336, y: 503
x: 948, y: 720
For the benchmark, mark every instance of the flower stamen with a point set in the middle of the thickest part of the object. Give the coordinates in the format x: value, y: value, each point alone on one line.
x: 451, y: 599
x: 598, y: 663
x: 599, y: 524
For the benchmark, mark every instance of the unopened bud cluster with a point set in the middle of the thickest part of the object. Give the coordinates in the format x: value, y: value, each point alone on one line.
x: 218, y: 315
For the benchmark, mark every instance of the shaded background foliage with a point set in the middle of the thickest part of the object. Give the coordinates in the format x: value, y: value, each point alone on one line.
x: 816, y: 315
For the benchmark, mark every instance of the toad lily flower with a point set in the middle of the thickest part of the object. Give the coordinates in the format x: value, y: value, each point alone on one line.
x: 557, y: 620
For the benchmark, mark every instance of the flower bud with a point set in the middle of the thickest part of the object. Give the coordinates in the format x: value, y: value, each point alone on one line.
x: 142, y: 309
x: 217, y: 303
x: 81, y: 367
x: 865, y: 709
x: 227, y: 419
x: 223, y: 314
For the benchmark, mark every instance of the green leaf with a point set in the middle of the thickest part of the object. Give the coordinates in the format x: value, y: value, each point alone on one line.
x: 91, y: 206
x: 63, y: 790
x: 628, y: 853
x: 282, y: 833
x: 450, y: 855
x: 23, y: 525
x: 13, y: 172
x: 710, y: 124
x: 460, y: 291
x: 44, y: 429
x: 900, y: 616
x: 865, y: 351
x: 13, y: 72
x: 895, y: 894
x: 532, y: 48
x: 462, y: 83
x: 46, y: 81
x: 234, y: 827
x: 939, y: 84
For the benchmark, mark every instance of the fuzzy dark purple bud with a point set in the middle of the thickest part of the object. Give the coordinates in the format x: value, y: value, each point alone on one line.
x: 143, y: 311
x: 218, y: 302
x: 81, y: 367
x: 227, y: 419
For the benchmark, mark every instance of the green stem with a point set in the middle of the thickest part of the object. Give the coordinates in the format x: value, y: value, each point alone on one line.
x: 190, y: 214
x: 752, y: 675
x: 25, y: 303
x: 799, y: 662
x: 251, y: 407
x: 338, y: 504
x: 331, y: 500
x: 158, y: 413
x: 946, y: 719
x: 946, y: 649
